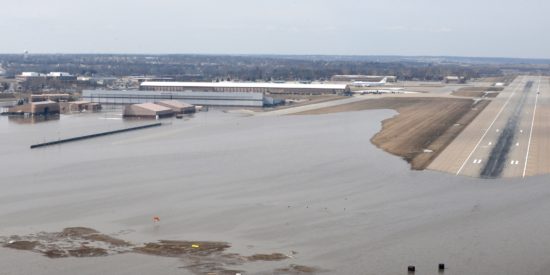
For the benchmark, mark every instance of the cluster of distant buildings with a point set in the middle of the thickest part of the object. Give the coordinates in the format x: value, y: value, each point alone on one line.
x: 163, y: 97
x: 51, y: 104
x: 57, y: 75
x: 32, y: 81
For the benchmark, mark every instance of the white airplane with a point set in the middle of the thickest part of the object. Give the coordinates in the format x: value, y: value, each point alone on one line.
x: 370, y: 84
x: 380, y: 91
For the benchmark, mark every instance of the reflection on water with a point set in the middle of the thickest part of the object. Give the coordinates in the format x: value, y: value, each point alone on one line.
x: 32, y: 119
x: 5, y: 105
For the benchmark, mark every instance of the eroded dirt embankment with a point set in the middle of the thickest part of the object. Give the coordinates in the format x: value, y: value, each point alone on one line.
x: 423, y: 127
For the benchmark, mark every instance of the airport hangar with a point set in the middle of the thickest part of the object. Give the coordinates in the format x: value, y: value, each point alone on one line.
x: 212, y: 93
x: 189, y: 97
x: 267, y: 87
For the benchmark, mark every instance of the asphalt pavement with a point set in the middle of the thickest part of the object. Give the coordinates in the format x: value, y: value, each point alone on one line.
x: 509, y: 138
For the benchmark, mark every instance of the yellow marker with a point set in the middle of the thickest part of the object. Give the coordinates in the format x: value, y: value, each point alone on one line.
x: 195, y: 246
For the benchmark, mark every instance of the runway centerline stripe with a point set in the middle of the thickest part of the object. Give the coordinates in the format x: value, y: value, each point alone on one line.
x: 489, y: 128
x: 499, y: 153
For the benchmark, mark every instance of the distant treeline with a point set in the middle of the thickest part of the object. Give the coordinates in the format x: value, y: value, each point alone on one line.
x: 266, y: 68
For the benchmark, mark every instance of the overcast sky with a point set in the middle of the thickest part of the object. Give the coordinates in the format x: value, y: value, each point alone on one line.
x: 492, y: 28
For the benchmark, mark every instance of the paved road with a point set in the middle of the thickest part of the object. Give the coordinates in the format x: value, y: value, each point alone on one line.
x: 510, y: 138
x: 299, y: 109
x: 354, y: 98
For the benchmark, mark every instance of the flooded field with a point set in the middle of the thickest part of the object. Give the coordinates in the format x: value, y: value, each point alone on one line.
x: 311, y: 188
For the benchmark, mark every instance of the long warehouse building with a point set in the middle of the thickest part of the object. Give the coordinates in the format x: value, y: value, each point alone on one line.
x: 247, y: 87
x: 192, y: 97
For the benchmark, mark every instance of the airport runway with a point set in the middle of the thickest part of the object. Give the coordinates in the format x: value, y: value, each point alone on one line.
x: 510, y: 138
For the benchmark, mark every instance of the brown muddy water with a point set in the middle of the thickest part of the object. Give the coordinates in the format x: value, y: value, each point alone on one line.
x: 311, y: 187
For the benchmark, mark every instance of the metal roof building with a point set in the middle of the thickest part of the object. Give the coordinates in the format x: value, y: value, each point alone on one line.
x: 178, y: 107
x: 246, y: 87
x: 36, y: 108
x: 79, y: 106
x: 251, y: 99
x: 148, y: 110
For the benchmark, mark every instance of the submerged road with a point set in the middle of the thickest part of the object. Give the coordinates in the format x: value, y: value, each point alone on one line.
x: 510, y: 138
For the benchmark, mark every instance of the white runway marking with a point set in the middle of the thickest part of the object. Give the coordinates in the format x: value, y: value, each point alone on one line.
x: 487, y: 131
x: 531, y: 131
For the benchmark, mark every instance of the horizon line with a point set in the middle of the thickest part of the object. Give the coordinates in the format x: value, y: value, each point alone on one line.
x: 282, y: 54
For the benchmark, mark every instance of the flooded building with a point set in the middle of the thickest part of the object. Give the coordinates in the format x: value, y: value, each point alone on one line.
x: 50, y: 97
x: 79, y: 106
x: 147, y: 110
x: 244, y: 99
x: 35, y: 108
x: 177, y: 106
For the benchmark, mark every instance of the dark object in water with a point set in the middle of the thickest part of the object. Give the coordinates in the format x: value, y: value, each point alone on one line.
x: 94, y: 135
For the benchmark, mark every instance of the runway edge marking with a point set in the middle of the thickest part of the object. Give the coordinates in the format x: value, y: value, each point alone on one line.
x: 489, y: 128
x: 531, y: 131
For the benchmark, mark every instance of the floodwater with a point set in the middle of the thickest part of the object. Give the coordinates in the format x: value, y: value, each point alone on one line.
x: 310, y: 184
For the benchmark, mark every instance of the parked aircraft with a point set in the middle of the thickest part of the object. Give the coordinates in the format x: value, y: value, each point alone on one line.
x: 380, y: 91
x: 370, y: 84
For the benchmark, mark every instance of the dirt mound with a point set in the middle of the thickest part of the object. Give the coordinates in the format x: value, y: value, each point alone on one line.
x: 77, y: 232
x: 178, y: 248
x: 268, y: 257
x: 212, y: 268
x: 70, y: 242
x: 297, y: 269
x: 56, y: 253
x: 22, y: 245
x: 86, y: 251
x: 91, y: 235
x: 201, y: 257
x: 107, y: 239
